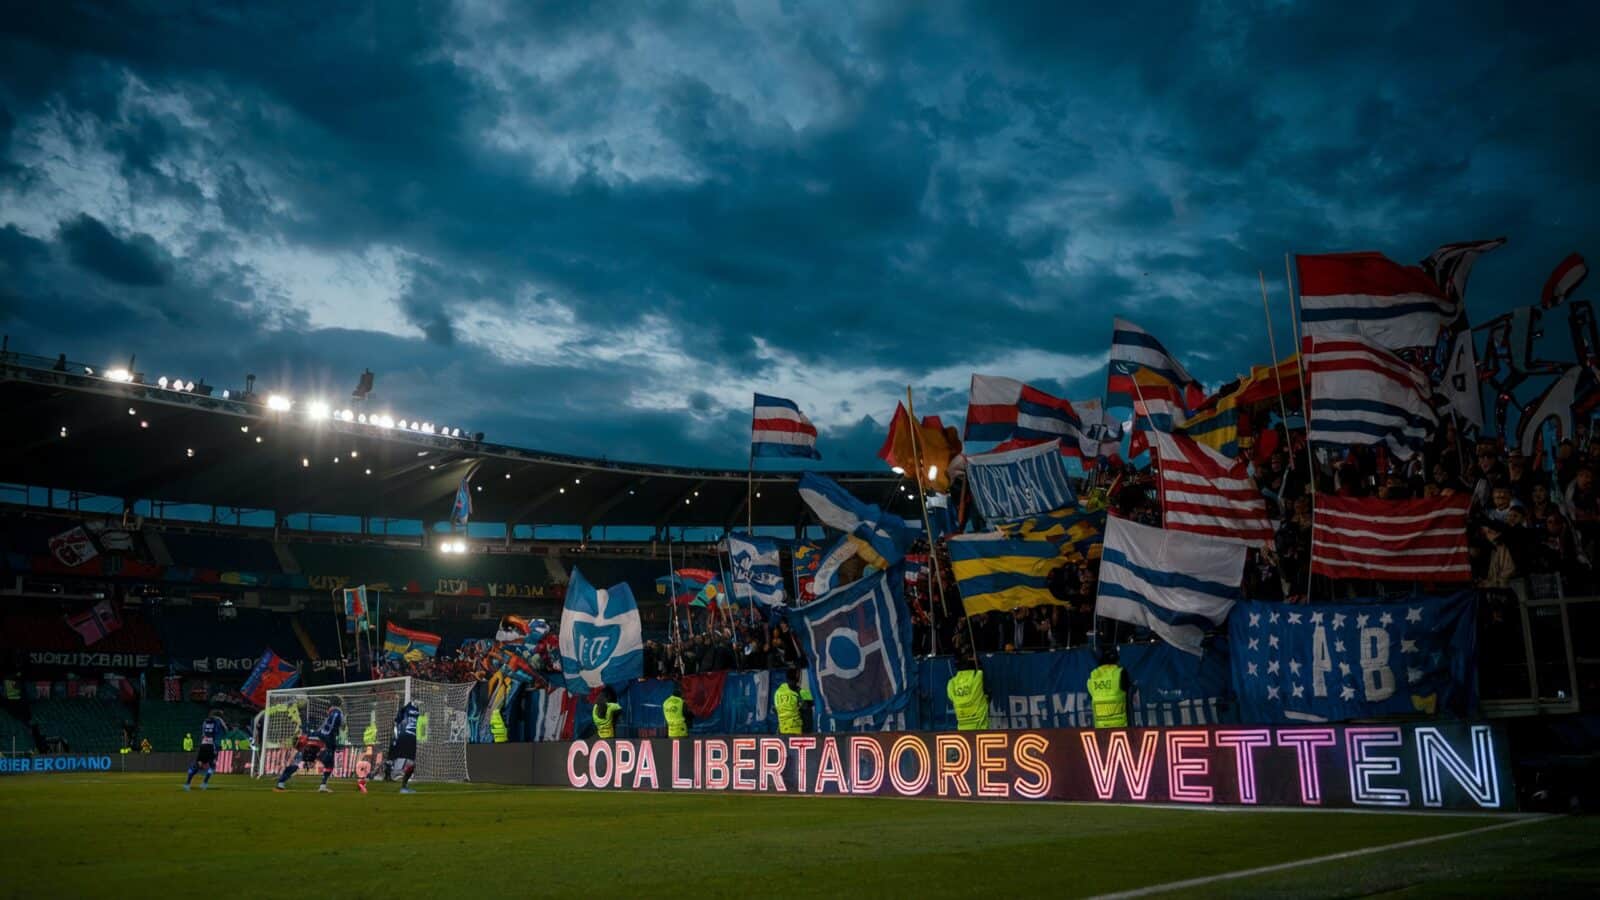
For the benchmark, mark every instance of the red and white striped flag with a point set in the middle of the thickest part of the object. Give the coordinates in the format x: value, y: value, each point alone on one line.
x: 1207, y: 493
x: 1391, y: 540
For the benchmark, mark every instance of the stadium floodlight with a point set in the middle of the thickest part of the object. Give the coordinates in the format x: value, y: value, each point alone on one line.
x: 132, y: 412
x: 442, y: 757
x: 278, y: 403
x: 455, y: 432
x: 385, y: 421
x: 758, y: 495
x: 427, y: 428
x: 401, y: 424
x: 64, y: 433
x: 226, y: 394
x: 355, y: 454
x: 898, y: 471
x: 317, y: 409
x: 162, y: 382
x: 258, y: 438
x: 305, y: 463
x: 369, y: 471
x: 245, y: 429
x: 347, y: 415
x: 189, y: 453
x: 933, y: 472
x: 143, y: 424
x: 119, y: 374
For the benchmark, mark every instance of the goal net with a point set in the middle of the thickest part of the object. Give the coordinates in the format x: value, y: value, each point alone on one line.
x: 369, y: 709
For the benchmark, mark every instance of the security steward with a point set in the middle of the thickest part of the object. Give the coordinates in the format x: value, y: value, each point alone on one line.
x: 787, y: 703
x: 497, y: 726
x: 606, y: 713
x: 677, y: 714
x: 1109, y: 688
x: 967, y: 696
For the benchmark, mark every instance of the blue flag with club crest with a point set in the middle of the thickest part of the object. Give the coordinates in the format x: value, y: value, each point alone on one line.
x: 601, y: 641
x: 1333, y: 662
x: 757, y: 571
x: 858, y: 642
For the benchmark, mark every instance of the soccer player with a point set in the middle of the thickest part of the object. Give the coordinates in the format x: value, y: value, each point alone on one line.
x: 211, y: 732
x: 310, y: 749
x: 403, y: 750
x: 327, y: 737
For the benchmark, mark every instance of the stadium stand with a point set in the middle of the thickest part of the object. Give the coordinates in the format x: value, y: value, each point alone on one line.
x: 164, y: 724
x: 46, y: 629
x: 86, y: 725
x: 14, y: 734
x: 212, y: 551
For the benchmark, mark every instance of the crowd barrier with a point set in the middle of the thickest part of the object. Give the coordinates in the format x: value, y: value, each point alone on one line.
x: 1440, y: 766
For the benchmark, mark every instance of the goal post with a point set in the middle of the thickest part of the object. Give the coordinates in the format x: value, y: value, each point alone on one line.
x: 369, y: 710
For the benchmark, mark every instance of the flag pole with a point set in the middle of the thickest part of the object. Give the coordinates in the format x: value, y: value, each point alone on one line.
x: 750, y: 475
x: 1277, y: 375
x: 338, y: 631
x: 927, y: 526
x: 1155, y: 449
x: 1305, y: 388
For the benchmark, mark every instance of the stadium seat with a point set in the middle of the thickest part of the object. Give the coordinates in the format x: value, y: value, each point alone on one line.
x: 221, y: 552
x: 88, y: 726
x: 165, y: 724
x: 14, y: 734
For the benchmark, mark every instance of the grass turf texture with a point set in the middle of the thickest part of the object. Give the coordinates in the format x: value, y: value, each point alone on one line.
x: 140, y: 836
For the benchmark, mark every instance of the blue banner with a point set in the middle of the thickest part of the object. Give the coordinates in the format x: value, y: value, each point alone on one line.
x: 858, y: 642
x: 745, y: 706
x: 1329, y: 662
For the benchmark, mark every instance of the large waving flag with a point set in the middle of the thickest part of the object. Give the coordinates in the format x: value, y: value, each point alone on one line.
x: 1363, y: 394
x: 1174, y: 583
x: 858, y: 642
x: 355, y: 609
x: 601, y: 639
x: 1391, y: 540
x: 1217, y: 422
x: 1080, y: 533
x: 1027, y: 481
x: 1102, y: 432
x: 1368, y: 294
x: 409, y: 644
x: 96, y: 622
x: 935, y: 444
x: 779, y: 428
x: 1451, y: 264
x: 270, y: 673
x: 883, y: 536
x: 757, y: 570
x: 1204, y: 492
x: 1134, y: 350
x: 1563, y: 280
x: 461, y: 510
x: 1000, y: 409
x: 994, y: 572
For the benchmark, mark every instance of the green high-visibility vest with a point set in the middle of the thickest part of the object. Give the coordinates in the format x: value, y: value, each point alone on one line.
x: 188, y: 742
x: 787, y: 702
x: 1109, y: 699
x: 606, y: 723
x: 677, y: 725
x: 422, y: 728
x: 497, y: 726
x: 971, y: 703
x: 13, y: 689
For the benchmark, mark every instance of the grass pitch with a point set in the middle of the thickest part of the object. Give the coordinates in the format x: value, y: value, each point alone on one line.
x: 131, y: 836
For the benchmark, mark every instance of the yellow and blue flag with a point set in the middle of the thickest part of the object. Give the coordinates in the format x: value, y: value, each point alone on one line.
x: 1079, y: 533
x: 994, y: 572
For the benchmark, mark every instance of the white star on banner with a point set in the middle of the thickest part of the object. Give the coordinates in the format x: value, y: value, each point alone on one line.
x: 1316, y: 618
x: 1386, y: 620
x: 1255, y: 643
x: 1413, y: 675
x: 1273, y: 618
x: 1294, y: 618
x: 1250, y: 669
x: 1414, y: 615
x: 1361, y: 620
x: 1299, y: 691
x: 1294, y: 666
x: 1272, y: 641
x: 1347, y: 693
x: 1338, y: 620
x: 1272, y: 692
x: 1272, y: 667
x: 1255, y: 620
x: 1408, y: 646
x: 1344, y: 669
x: 1338, y: 646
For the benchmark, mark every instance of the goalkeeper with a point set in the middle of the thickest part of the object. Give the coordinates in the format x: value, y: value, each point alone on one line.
x: 326, y: 739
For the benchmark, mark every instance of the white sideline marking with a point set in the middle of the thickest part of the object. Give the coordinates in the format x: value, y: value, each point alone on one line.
x: 1315, y: 860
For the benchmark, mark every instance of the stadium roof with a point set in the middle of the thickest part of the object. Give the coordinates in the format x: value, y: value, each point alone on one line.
x: 75, y: 429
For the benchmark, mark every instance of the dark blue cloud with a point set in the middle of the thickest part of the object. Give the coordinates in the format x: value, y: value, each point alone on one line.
x: 653, y: 202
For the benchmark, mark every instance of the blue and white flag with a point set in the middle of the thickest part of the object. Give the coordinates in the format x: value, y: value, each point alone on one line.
x: 601, y: 640
x: 756, y: 570
x: 1027, y: 481
x: 461, y: 510
x: 882, y: 537
x: 1175, y: 583
x: 1333, y: 662
x: 858, y: 642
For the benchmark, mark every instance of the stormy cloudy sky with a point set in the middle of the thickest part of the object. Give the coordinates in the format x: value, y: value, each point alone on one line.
x: 596, y: 228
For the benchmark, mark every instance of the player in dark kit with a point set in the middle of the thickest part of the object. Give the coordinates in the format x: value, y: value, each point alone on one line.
x: 205, y: 757
x: 325, y: 740
x: 403, y: 750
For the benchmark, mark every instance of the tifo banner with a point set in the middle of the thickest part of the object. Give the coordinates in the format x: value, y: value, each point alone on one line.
x: 600, y: 636
x: 1339, y: 661
x: 1010, y: 484
x: 858, y: 641
x: 1453, y: 765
